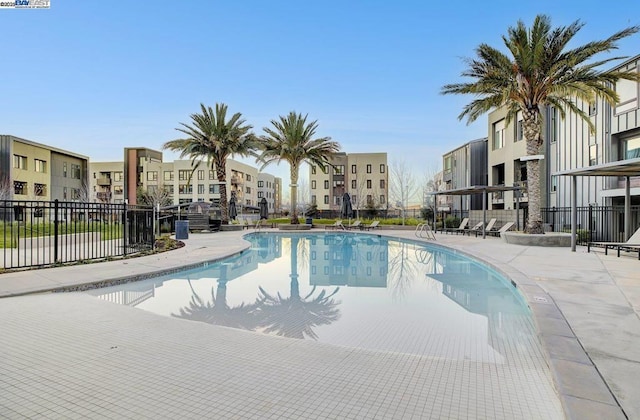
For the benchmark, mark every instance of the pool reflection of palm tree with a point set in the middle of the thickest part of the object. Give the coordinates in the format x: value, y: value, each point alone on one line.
x: 217, y: 311
x: 296, y: 316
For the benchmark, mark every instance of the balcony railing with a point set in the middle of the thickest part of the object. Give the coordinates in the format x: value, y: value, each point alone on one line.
x: 104, y: 181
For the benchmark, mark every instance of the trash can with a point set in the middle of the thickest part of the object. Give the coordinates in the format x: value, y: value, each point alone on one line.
x: 182, y: 229
x: 309, y: 221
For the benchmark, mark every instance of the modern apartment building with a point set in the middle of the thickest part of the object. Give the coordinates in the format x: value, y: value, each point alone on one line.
x: 463, y: 167
x: 144, y: 171
x: 34, y: 171
x: 270, y: 188
x: 570, y: 144
x: 364, y: 176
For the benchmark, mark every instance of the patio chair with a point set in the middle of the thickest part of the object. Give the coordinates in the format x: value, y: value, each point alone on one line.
x: 632, y: 243
x: 337, y: 225
x: 476, y: 228
x: 356, y: 224
x: 487, y: 229
x: 462, y: 227
x: 372, y: 225
x: 502, y: 230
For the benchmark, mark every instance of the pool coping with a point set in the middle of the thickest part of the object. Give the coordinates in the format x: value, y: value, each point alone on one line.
x: 582, y: 390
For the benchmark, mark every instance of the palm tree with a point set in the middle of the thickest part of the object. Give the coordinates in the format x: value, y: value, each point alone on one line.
x: 212, y: 138
x: 540, y: 71
x: 291, y: 139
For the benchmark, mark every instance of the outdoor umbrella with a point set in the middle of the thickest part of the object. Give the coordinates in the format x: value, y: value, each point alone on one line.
x: 233, y: 211
x: 346, y: 211
x: 264, y: 209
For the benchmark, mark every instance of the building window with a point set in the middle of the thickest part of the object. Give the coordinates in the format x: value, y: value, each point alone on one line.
x: 200, y: 175
x: 168, y: 175
x: 326, y: 199
x: 212, y: 176
x: 593, y: 109
x: 519, y: 134
x: 447, y: 164
x: 183, y: 175
x: 152, y: 176
x: 248, y: 202
x: 260, y: 194
x: 632, y: 148
x: 354, y: 184
x: 338, y: 184
x: 326, y: 184
x: 554, y: 125
x: 368, y: 184
x: 313, y: 184
x: 117, y: 176
x: 353, y: 169
x: 214, y: 188
x: 260, y: 184
x: 41, y: 166
x: 248, y: 177
x: 369, y: 200
x: 382, y: 199
x: 200, y: 188
x: 368, y: 168
x: 339, y: 170
x: 248, y: 190
x: 185, y: 189
x: 40, y: 190
x: 64, y: 169
x: 382, y: 183
x: 313, y: 200
x: 75, y: 192
x: 593, y: 154
x: 119, y: 189
x: 554, y: 183
x: 65, y: 194
x: 19, y: 188
x: 498, y: 135
x: 20, y: 162
x: 313, y: 170
x: 382, y: 168
x: 75, y: 171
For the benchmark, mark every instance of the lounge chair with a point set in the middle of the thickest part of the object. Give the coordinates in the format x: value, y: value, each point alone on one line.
x: 487, y: 229
x: 356, y: 224
x: 502, y: 230
x: 632, y: 243
x: 337, y: 225
x: 372, y: 225
x: 476, y: 228
x: 462, y: 227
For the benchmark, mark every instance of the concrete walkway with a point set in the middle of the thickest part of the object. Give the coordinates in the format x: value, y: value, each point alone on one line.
x: 585, y: 306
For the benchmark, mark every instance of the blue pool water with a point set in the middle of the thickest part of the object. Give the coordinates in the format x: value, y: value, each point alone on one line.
x: 355, y: 290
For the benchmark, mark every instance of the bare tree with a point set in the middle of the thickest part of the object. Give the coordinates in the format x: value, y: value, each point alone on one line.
x: 430, y: 185
x: 303, y: 195
x: 403, y: 187
x: 5, y: 188
x: 364, y: 198
x: 155, y: 195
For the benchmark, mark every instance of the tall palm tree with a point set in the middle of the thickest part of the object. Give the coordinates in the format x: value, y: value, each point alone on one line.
x: 292, y: 139
x: 540, y: 70
x: 213, y: 138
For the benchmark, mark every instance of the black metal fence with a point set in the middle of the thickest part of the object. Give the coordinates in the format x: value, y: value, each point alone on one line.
x: 595, y: 223
x: 43, y: 233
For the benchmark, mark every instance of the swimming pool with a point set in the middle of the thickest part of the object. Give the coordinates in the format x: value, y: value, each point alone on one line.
x: 355, y: 290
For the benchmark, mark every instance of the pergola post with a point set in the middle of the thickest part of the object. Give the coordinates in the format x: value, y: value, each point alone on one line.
x: 627, y: 209
x: 574, y: 211
x: 484, y: 214
x: 517, y: 193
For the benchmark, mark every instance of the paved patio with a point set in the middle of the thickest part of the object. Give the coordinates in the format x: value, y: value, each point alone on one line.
x: 74, y: 356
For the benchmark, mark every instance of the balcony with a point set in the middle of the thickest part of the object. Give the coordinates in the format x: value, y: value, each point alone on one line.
x: 236, y: 180
x: 103, y: 196
x: 103, y: 181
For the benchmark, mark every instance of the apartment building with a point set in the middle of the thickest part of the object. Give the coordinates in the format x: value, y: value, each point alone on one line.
x: 34, y: 171
x: 270, y: 188
x: 570, y: 144
x: 463, y: 167
x: 364, y: 176
x: 144, y: 171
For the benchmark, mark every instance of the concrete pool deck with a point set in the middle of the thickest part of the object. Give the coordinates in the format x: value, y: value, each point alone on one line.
x: 92, y: 342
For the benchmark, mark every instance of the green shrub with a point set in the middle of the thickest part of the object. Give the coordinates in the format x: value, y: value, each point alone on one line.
x: 451, y: 222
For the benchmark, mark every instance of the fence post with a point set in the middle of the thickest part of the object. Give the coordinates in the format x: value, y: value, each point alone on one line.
x: 590, y: 222
x: 56, y: 207
x: 125, y: 222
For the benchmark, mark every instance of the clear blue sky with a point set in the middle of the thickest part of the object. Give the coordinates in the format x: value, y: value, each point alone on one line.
x: 96, y: 76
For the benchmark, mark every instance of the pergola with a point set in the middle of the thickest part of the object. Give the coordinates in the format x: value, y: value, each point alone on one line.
x: 626, y: 168
x: 484, y: 190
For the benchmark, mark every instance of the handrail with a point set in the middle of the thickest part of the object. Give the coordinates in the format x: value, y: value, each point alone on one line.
x: 424, y: 231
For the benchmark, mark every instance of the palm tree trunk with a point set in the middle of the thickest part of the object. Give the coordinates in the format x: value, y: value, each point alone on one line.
x: 532, y: 128
x: 294, y: 194
x: 221, y: 174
